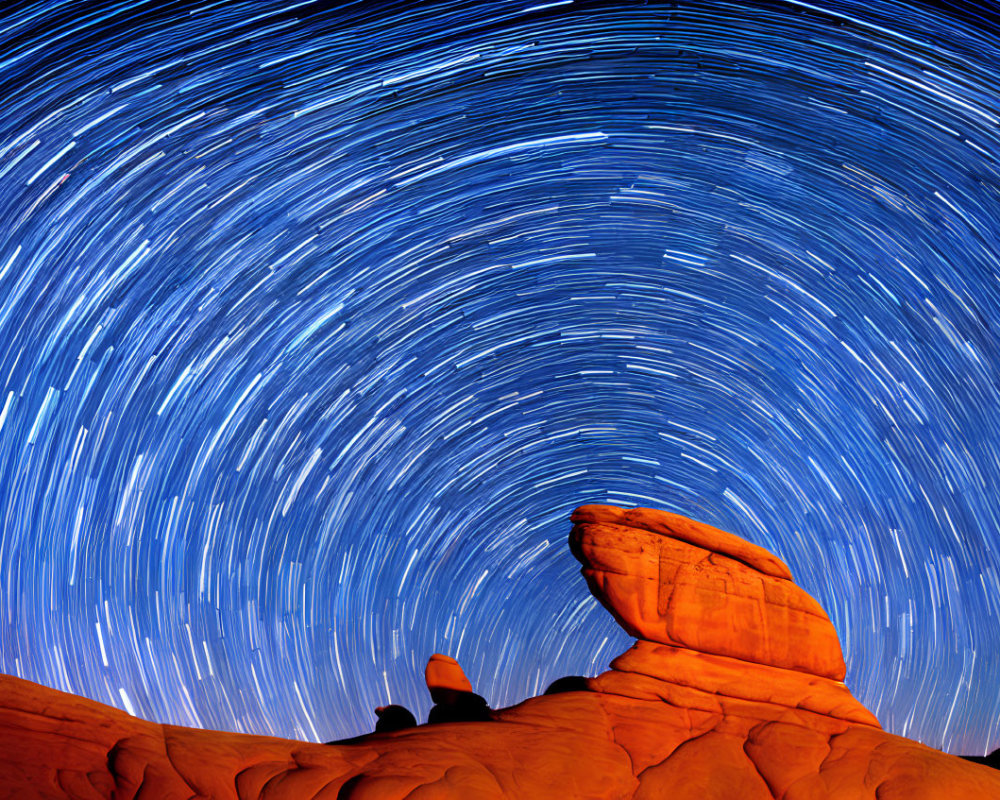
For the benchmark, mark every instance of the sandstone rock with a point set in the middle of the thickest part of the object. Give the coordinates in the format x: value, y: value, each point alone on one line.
x: 451, y: 691
x: 394, y: 718
x: 685, y: 713
x: 736, y: 600
x: 444, y: 673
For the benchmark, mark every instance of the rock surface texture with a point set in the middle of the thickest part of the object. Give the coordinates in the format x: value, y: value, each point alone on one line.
x: 733, y: 691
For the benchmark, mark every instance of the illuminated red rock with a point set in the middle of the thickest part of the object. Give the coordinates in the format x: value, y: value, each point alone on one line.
x: 670, y: 580
x: 445, y: 673
x: 451, y: 691
x: 698, y: 708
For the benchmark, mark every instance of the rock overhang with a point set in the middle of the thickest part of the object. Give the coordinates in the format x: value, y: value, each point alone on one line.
x: 674, y: 581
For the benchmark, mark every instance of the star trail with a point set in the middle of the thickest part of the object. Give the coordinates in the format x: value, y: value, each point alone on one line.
x: 318, y: 319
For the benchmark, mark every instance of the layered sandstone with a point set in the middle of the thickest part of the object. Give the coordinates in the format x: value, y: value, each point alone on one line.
x: 732, y: 691
x: 670, y: 580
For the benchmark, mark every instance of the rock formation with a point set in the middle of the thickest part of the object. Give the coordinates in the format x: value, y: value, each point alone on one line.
x: 394, y: 718
x: 451, y: 691
x: 733, y: 691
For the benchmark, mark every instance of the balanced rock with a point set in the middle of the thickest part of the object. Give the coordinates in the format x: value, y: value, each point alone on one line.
x: 394, y: 718
x: 733, y: 691
x: 451, y: 691
x: 670, y: 580
x: 444, y: 674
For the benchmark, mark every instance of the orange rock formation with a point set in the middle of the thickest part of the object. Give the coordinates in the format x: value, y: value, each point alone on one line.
x: 733, y: 692
x: 444, y: 673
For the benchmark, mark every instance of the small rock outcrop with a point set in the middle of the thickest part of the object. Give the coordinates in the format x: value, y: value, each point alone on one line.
x: 451, y: 691
x: 394, y: 718
x: 733, y: 691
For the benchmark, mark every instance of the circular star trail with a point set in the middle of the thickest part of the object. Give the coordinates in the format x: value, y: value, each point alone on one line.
x: 317, y: 320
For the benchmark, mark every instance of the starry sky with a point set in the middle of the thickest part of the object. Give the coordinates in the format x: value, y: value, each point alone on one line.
x: 318, y: 319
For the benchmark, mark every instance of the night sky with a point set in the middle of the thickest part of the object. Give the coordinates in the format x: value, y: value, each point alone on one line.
x: 318, y: 319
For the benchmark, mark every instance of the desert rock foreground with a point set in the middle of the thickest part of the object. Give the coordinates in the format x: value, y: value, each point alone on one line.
x: 733, y: 691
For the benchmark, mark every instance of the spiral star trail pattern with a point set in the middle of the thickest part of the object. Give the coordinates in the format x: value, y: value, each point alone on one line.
x: 317, y: 320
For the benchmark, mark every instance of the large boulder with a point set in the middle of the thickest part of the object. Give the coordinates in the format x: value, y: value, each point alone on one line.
x: 670, y: 580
